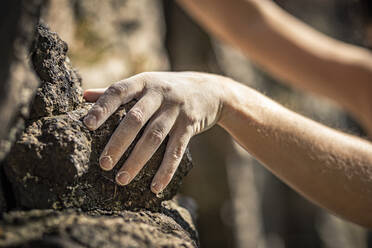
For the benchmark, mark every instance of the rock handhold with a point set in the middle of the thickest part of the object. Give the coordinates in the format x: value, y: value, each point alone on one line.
x: 60, y: 90
x: 54, y: 164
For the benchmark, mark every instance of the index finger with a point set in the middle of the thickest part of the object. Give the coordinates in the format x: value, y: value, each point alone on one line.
x: 117, y: 94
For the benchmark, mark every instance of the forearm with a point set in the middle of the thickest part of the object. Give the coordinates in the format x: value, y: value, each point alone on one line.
x: 291, y: 50
x: 330, y: 168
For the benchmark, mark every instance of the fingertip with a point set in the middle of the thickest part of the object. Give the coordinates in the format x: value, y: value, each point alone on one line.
x: 157, y: 187
x: 90, y: 122
x: 123, y: 178
x: 105, y: 163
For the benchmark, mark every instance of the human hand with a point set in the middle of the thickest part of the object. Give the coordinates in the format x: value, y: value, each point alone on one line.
x: 181, y: 104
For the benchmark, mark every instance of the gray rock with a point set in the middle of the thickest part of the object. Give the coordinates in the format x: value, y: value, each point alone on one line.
x: 60, y: 90
x: 71, y: 228
x: 54, y: 164
x: 17, y: 79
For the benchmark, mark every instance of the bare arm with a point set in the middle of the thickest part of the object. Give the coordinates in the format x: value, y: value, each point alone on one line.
x: 292, y: 51
x: 330, y: 168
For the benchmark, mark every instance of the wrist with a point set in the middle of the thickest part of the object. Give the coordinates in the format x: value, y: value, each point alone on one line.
x: 232, y: 100
x: 242, y: 105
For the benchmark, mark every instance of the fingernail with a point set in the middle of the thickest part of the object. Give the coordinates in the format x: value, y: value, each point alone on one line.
x: 90, y: 121
x: 123, y: 178
x: 156, y: 187
x: 105, y: 162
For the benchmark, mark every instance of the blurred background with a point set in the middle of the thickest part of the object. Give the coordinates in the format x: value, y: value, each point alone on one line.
x: 240, y: 204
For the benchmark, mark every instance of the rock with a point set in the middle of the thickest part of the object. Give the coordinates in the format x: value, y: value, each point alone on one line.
x: 51, y: 64
x: 54, y: 164
x: 71, y: 228
x: 17, y: 79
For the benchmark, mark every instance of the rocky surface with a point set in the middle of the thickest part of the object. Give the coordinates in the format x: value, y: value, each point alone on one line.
x: 172, y: 227
x: 17, y: 79
x: 54, y: 164
x: 60, y: 90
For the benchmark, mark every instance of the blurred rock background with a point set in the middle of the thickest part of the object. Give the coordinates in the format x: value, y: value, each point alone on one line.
x: 110, y: 40
x: 240, y: 204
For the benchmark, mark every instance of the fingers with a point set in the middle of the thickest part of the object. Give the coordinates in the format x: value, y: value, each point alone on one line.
x: 117, y: 94
x: 150, y: 141
x: 176, y: 147
x: 128, y: 129
x: 91, y: 95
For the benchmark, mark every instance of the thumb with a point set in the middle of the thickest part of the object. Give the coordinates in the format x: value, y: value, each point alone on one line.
x: 91, y: 95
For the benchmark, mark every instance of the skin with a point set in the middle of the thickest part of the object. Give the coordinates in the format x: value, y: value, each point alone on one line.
x: 331, y: 168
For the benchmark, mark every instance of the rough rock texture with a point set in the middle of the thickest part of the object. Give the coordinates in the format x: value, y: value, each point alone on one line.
x: 54, y: 164
x: 17, y: 80
x: 74, y: 229
x: 60, y: 90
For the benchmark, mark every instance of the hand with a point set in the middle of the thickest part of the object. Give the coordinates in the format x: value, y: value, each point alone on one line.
x: 181, y: 104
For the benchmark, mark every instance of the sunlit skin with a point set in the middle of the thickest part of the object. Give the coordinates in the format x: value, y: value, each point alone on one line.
x: 331, y: 168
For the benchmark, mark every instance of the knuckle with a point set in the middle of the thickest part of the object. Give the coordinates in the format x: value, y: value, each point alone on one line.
x: 189, y: 117
x: 182, y: 102
x: 117, y: 89
x: 104, y: 108
x: 176, y: 153
x: 167, y: 89
x: 156, y: 136
x: 100, y: 109
x: 157, y: 91
x: 136, y: 117
x: 144, y: 76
